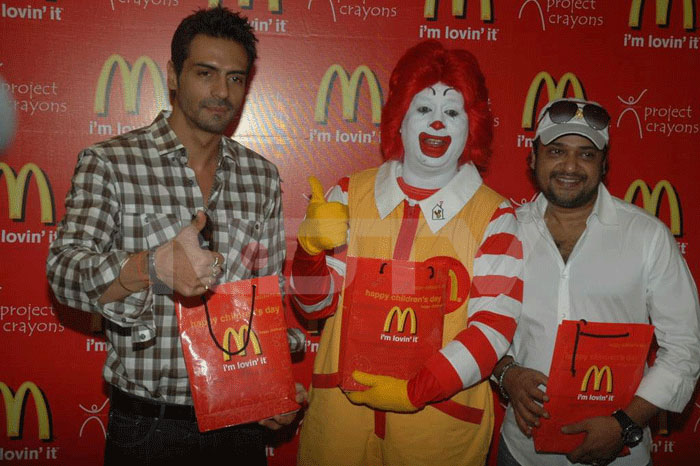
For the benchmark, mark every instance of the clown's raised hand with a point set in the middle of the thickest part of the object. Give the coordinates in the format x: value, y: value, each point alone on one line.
x: 326, y: 223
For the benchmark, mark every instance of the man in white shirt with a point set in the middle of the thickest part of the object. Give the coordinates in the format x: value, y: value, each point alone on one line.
x: 589, y: 255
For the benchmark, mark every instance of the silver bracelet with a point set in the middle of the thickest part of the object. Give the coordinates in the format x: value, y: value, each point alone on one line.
x: 501, y: 388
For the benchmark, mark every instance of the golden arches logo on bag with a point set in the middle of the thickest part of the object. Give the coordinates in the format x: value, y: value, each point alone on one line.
x: 238, y: 337
x: 18, y: 190
x: 132, y: 78
x: 651, y: 201
x: 662, y: 13
x: 555, y: 90
x: 431, y: 6
x: 598, y: 374
x: 15, y: 406
x: 401, y: 317
x: 350, y: 89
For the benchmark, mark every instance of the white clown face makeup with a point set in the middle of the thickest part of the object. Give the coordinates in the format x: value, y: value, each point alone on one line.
x: 434, y: 132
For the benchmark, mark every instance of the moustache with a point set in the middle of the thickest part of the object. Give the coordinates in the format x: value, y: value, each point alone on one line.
x: 578, y: 176
x: 216, y: 103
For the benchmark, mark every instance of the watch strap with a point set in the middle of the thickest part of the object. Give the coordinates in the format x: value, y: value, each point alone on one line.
x: 631, y: 432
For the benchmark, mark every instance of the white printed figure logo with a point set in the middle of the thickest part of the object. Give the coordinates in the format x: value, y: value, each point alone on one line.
x: 539, y: 8
x: 631, y: 102
x: 330, y: 2
x: 94, y: 410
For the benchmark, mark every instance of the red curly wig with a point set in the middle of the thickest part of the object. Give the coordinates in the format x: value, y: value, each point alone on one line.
x: 424, y: 65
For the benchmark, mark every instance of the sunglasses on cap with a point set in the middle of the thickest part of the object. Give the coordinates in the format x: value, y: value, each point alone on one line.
x: 561, y: 112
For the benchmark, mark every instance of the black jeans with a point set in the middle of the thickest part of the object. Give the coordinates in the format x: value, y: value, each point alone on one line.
x: 133, y: 439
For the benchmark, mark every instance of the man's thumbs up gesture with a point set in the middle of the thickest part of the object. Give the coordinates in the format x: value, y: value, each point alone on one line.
x: 326, y: 223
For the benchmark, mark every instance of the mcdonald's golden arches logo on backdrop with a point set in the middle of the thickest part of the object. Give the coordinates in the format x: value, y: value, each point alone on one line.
x: 239, y: 338
x: 651, y: 201
x: 132, y: 78
x: 598, y: 374
x: 18, y: 189
x: 273, y: 5
x: 431, y: 6
x: 662, y: 13
x: 555, y: 90
x: 15, y: 406
x: 401, y: 317
x: 350, y: 88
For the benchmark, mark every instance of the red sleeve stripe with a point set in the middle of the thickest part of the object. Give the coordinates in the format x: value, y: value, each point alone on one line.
x: 504, y: 325
x: 502, y: 244
x: 344, y: 184
x: 480, y: 348
x: 445, y: 374
x: 494, y: 285
x: 502, y: 211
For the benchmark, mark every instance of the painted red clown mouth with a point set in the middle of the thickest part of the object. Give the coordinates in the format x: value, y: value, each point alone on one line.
x: 434, y: 146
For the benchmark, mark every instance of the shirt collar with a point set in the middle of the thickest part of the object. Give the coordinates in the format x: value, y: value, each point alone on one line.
x: 603, y: 209
x: 166, y: 140
x: 437, y: 209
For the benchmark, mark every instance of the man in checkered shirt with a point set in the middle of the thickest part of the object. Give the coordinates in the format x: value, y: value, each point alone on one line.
x: 130, y: 236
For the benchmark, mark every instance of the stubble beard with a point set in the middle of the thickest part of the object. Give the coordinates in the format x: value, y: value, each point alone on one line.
x: 579, y: 200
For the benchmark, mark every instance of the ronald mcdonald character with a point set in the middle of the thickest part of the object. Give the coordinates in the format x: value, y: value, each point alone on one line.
x: 427, y: 199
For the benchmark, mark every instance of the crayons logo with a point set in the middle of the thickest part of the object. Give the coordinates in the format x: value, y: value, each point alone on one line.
x: 350, y: 88
x: 238, y: 337
x: 18, y: 190
x: 555, y: 90
x: 15, y: 406
x: 431, y: 6
x: 358, y: 9
x: 651, y: 201
x: 598, y: 374
x: 401, y: 317
x: 662, y: 13
x: 132, y: 80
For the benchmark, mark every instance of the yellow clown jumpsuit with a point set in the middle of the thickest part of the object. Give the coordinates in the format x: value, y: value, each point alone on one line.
x: 455, y: 432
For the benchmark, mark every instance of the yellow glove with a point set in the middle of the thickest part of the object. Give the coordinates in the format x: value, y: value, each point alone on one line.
x: 326, y: 223
x: 385, y: 393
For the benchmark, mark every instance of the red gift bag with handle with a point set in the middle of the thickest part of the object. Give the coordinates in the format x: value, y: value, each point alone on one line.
x: 596, y: 369
x: 392, y: 316
x: 234, y: 341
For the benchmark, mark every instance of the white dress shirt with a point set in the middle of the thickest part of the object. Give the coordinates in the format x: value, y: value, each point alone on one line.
x: 625, y: 267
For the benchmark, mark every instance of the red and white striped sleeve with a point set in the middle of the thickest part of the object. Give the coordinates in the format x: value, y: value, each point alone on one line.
x: 316, y: 281
x: 495, y: 301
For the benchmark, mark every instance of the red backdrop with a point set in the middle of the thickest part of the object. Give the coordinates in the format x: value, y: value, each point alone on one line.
x: 82, y: 71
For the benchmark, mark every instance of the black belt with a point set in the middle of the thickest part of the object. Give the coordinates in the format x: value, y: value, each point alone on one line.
x: 126, y: 402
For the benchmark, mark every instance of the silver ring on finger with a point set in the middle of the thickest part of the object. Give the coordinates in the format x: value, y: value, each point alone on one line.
x: 216, y: 262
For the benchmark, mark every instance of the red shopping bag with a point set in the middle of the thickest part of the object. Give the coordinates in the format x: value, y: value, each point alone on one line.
x: 596, y: 369
x: 392, y: 317
x: 238, y: 361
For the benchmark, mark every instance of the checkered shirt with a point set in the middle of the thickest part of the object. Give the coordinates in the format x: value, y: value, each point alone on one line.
x: 135, y: 192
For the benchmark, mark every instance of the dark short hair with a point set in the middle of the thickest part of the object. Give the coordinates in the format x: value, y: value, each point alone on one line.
x: 216, y: 22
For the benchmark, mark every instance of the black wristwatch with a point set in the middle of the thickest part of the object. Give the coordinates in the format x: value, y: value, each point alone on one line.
x: 631, y: 433
x: 157, y: 285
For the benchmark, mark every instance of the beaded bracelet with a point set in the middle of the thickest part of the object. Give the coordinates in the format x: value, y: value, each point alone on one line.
x: 502, y: 389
